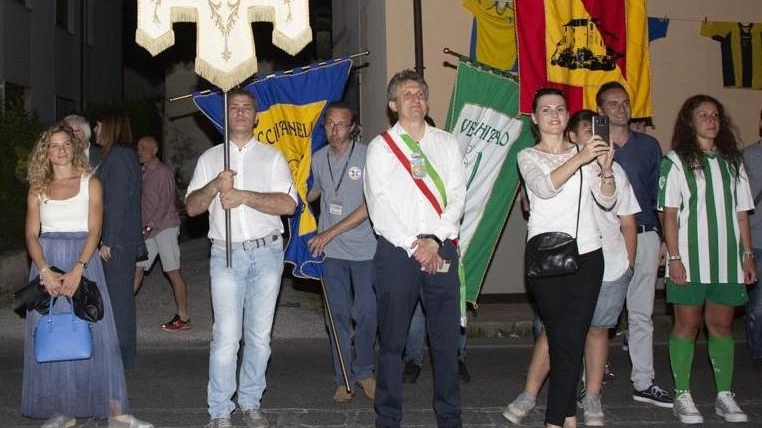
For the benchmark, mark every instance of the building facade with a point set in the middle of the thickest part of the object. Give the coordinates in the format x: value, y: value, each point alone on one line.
x: 59, y: 56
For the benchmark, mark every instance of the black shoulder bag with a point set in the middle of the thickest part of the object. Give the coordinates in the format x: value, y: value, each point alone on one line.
x: 553, y: 253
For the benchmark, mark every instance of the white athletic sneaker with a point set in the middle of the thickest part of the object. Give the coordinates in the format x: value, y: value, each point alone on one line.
x: 519, y: 408
x: 685, y: 409
x: 725, y: 407
x: 593, y: 410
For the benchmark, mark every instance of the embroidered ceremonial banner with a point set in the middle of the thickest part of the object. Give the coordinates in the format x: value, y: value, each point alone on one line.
x: 290, y: 108
x: 225, y: 48
x: 484, y: 117
x: 494, y: 43
x: 577, y: 45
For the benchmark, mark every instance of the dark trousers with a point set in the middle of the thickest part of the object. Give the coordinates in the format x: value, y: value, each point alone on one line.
x: 399, y: 282
x: 120, y: 271
x: 566, y: 304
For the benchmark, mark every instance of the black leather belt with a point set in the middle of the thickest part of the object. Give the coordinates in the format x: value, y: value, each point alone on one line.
x: 247, y: 245
x: 642, y: 229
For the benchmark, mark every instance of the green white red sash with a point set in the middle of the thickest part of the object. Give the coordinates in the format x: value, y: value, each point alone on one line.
x: 430, y: 171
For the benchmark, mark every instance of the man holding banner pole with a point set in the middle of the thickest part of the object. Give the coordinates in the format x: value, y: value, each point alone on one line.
x: 257, y: 189
x: 415, y: 192
x: 346, y: 240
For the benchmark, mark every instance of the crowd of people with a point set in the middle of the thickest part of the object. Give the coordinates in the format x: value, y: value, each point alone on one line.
x: 390, y: 213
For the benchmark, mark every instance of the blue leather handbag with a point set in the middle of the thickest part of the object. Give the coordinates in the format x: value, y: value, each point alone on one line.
x: 62, y: 336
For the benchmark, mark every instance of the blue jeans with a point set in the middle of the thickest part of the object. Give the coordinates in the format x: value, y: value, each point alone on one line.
x: 754, y: 312
x: 341, y: 278
x: 243, y: 301
x: 416, y: 338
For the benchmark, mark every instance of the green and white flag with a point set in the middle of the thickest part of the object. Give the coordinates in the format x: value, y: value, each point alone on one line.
x: 484, y: 117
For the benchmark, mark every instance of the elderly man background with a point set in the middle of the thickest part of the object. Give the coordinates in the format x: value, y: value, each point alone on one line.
x: 161, y: 227
x: 82, y: 130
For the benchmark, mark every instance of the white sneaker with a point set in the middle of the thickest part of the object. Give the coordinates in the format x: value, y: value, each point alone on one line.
x: 593, y: 410
x: 519, y: 408
x: 725, y: 407
x: 685, y: 409
x: 59, y: 421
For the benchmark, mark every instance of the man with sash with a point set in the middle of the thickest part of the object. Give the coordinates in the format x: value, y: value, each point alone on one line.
x: 346, y: 240
x: 415, y: 193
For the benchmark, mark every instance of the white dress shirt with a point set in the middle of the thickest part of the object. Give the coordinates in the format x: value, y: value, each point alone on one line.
x: 259, y: 168
x: 397, y: 207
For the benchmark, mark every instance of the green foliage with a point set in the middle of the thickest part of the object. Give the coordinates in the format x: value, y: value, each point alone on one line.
x: 19, y: 130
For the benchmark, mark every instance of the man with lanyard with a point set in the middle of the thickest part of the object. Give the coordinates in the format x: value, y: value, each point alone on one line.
x: 415, y: 191
x: 640, y: 156
x: 348, y: 243
x: 257, y: 189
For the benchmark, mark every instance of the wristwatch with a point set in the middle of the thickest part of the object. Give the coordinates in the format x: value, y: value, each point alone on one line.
x: 430, y: 236
x: 82, y: 263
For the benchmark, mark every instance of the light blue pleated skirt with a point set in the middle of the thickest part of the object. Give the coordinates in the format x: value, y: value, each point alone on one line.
x: 87, y: 388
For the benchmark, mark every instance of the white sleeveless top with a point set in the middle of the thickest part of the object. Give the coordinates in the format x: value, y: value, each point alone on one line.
x: 67, y: 215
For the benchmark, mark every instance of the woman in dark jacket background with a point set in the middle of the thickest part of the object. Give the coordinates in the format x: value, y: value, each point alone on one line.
x: 122, y: 239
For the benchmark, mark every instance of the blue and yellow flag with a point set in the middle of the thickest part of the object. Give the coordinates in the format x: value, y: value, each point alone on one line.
x: 291, y: 111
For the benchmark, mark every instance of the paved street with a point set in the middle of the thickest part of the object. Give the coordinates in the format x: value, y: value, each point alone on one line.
x: 168, y: 387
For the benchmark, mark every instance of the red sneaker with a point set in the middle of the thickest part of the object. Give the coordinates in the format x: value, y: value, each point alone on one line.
x: 177, y: 324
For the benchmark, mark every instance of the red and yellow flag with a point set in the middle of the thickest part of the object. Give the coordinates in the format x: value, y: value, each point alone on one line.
x: 577, y: 45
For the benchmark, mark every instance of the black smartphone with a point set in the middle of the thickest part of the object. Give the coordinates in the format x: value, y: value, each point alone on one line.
x: 601, y: 127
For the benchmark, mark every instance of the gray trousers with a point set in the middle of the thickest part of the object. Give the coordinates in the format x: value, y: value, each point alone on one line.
x: 640, y: 308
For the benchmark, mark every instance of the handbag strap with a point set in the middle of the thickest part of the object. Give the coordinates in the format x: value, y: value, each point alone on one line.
x: 579, y: 199
x: 53, y: 302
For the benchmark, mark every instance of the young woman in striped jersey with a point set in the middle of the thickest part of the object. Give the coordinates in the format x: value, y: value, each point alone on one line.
x: 704, y: 193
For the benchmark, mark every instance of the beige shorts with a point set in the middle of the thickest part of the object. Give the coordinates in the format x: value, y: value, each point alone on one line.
x: 164, y: 244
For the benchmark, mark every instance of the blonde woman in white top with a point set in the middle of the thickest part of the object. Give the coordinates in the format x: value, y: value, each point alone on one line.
x: 63, y: 226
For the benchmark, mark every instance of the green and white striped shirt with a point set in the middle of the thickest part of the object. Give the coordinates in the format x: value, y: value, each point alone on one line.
x: 707, y: 200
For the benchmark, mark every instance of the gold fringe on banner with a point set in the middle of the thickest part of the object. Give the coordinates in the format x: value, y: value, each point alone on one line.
x: 226, y: 80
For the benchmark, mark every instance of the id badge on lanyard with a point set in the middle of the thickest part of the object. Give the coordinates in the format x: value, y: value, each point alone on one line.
x: 335, y: 208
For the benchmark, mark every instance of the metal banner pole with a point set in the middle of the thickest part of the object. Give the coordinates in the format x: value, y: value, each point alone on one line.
x: 228, y: 244
x: 418, y: 36
x: 332, y: 326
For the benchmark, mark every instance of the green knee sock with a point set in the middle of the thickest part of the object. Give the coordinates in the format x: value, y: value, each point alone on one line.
x: 681, y: 359
x: 721, y: 350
